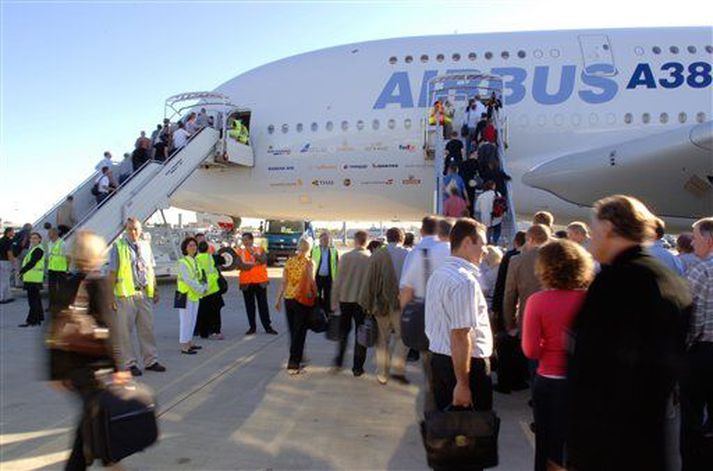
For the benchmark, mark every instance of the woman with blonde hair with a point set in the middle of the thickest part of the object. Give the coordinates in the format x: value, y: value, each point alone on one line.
x: 299, y: 291
x: 489, y: 272
x: 75, y: 369
x: 565, y: 270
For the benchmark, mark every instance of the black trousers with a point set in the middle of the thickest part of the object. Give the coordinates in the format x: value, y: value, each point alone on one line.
x: 54, y: 281
x: 351, y: 312
x: 443, y: 382
x: 512, y: 364
x: 297, y: 323
x: 696, y: 398
x: 34, y: 301
x: 209, y: 321
x: 251, y: 293
x: 324, y: 292
x: 550, y: 409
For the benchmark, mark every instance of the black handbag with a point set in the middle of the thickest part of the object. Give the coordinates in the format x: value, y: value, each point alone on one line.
x: 413, y: 317
x: 367, y: 332
x: 461, y: 439
x: 180, y: 300
x: 317, y: 320
x: 222, y: 284
x: 120, y: 421
x: 334, y: 328
x: 464, y: 131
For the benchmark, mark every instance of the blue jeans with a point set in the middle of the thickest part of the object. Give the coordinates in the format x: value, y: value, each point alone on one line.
x: 494, y: 234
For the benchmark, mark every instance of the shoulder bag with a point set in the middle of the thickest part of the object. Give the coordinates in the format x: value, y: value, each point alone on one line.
x: 413, y: 317
x: 306, y: 292
x: 367, y: 332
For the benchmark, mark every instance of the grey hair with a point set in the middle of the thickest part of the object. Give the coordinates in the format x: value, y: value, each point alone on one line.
x: 304, y: 244
x: 705, y: 227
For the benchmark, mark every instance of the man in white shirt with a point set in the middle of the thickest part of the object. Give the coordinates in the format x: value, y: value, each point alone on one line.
x: 458, y: 326
x: 103, y: 185
x: 107, y: 162
x: 180, y: 136
x: 484, y: 206
x: 413, y: 277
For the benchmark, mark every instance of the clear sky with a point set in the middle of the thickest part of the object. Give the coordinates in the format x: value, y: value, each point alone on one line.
x: 78, y: 78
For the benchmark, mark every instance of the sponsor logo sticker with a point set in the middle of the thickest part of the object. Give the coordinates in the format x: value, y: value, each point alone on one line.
x: 278, y: 150
x: 385, y: 165
x: 390, y: 181
x: 325, y: 167
x: 347, y: 182
x: 292, y: 183
x: 411, y: 180
x: 376, y: 147
x: 318, y: 182
x: 345, y: 147
x: 284, y: 168
x: 355, y: 166
x: 407, y: 147
x: 308, y: 148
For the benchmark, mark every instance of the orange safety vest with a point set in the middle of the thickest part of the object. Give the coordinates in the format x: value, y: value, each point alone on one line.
x: 257, y: 274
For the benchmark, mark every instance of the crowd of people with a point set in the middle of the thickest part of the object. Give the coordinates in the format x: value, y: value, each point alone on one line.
x: 608, y: 330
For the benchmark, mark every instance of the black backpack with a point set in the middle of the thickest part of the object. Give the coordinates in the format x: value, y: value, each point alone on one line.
x: 95, y: 189
x: 413, y: 317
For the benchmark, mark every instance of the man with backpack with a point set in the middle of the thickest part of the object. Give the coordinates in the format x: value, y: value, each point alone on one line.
x: 492, y: 207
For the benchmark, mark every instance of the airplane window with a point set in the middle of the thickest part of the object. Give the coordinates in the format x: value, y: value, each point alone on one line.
x: 329, y: 126
x: 521, y: 54
x: 408, y: 59
x: 646, y: 118
x: 558, y: 120
x: 440, y: 57
x: 656, y: 50
x: 524, y: 120
x: 692, y: 49
x: 555, y: 53
x: 375, y: 125
x: 314, y: 127
x: 270, y: 129
x: 576, y: 119
x: 345, y: 125
x: 663, y: 118
x: 639, y: 51
x: 682, y: 117
x: 285, y: 128
x: 360, y: 125
x: 488, y: 55
x: 424, y: 58
x: 605, y: 47
x: 407, y: 123
x: 701, y: 117
x: 709, y: 49
x: 628, y: 118
x: 393, y: 60
x: 299, y: 127
x: 391, y: 124
x: 611, y: 118
x: 593, y: 119
x: 505, y: 54
x: 541, y: 120
x: 455, y: 57
x: 472, y: 56
x: 537, y: 53
x: 673, y: 49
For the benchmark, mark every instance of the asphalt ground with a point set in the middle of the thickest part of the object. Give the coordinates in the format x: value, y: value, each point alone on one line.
x: 233, y: 406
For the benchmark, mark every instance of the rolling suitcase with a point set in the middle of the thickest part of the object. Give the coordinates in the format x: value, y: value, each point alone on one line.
x: 121, y: 421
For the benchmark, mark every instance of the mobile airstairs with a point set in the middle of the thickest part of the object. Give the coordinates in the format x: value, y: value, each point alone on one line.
x: 149, y: 188
x: 457, y: 89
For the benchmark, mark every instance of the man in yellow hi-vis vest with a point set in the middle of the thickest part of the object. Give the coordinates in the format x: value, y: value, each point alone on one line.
x: 131, y: 271
x: 33, y: 275
x: 57, y: 266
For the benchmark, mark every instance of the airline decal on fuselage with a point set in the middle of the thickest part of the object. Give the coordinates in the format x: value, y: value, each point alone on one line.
x: 553, y: 85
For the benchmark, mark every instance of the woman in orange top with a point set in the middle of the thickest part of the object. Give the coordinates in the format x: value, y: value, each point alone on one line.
x: 296, y: 269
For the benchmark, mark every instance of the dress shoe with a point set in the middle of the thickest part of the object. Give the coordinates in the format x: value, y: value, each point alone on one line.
x: 156, y: 366
x: 502, y: 389
x: 382, y: 379
x: 271, y: 331
x: 358, y: 372
x: 250, y: 332
x: 189, y: 352
x: 135, y: 371
x: 195, y: 347
x: 25, y: 325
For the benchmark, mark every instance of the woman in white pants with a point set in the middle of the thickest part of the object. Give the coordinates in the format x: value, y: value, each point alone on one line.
x: 190, y: 283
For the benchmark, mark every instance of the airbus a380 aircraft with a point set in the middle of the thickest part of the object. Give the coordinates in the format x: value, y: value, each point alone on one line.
x: 338, y: 134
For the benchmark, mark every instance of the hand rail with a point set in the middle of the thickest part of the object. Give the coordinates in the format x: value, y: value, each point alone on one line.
x: 96, y: 208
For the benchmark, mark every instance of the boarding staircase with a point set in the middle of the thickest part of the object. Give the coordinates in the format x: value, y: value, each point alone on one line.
x: 459, y: 88
x: 142, y: 193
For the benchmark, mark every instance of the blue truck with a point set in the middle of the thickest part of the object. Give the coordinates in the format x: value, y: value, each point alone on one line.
x: 281, y: 237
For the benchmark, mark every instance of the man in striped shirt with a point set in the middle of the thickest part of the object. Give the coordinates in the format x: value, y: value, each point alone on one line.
x: 457, y: 324
x: 697, y: 381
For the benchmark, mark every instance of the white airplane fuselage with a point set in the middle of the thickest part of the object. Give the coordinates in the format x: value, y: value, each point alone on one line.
x: 338, y: 134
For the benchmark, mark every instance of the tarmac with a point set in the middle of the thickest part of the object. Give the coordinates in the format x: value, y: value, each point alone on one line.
x: 233, y: 406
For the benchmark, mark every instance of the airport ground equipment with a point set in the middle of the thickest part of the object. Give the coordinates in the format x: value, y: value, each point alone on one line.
x: 149, y: 188
x: 458, y: 89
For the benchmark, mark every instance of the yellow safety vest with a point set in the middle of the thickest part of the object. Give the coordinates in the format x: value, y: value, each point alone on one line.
x: 194, y: 274
x: 125, y: 286
x: 58, y: 260
x: 37, y: 273
x: 317, y: 259
x: 207, y: 264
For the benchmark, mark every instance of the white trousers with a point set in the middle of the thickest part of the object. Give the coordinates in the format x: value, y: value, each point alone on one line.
x: 5, y: 280
x: 187, y: 319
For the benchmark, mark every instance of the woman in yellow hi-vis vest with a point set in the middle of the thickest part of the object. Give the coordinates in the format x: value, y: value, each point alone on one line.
x: 190, y: 286
x: 209, y: 324
x: 33, y: 275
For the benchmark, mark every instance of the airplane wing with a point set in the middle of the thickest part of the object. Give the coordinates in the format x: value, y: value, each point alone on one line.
x: 671, y: 171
